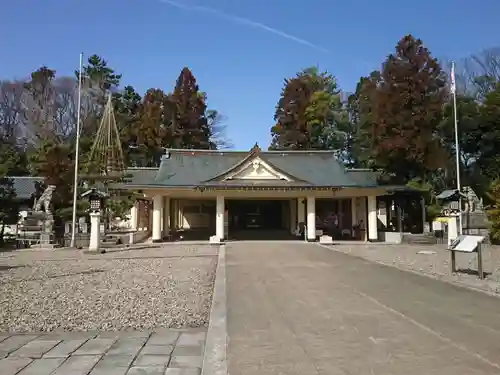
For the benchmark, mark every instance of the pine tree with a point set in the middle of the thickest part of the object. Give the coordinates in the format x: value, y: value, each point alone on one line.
x: 189, y: 124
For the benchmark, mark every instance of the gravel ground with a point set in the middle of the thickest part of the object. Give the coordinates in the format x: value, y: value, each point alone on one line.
x: 435, y: 263
x: 67, y: 290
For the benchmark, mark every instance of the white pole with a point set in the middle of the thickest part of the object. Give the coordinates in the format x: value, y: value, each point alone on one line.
x: 77, y: 151
x: 457, y: 147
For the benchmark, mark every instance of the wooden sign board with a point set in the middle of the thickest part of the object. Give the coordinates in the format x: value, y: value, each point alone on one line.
x: 467, y: 244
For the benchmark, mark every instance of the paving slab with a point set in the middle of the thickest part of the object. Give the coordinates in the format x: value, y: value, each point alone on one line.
x: 145, y: 360
x: 127, y: 346
x: 322, y: 312
x: 113, y: 365
x: 77, y: 365
x: 95, y: 347
x: 189, y: 361
x: 191, y: 339
x: 3, y: 337
x: 14, y: 342
x: 44, y: 366
x: 164, y: 338
x: 11, y: 366
x: 35, y: 349
x: 157, y: 349
x: 183, y: 371
x: 195, y: 351
x: 104, y: 353
x: 65, y: 348
x: 140, y: 370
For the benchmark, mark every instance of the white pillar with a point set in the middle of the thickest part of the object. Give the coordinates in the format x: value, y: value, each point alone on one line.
x: 219, y: 218
x: 354, y: 211
x: 293, y: 214
x: 372, y: 218
x: 301, y: 210
x: 133, y: 216
x: 311, y: 219
x: 424, y: 219
x: 95, y: 231
x: 166, y: 217
x: 157, y: 210
x: 452, y: 229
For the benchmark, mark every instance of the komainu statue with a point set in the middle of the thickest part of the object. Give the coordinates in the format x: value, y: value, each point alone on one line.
x: 44, y: 202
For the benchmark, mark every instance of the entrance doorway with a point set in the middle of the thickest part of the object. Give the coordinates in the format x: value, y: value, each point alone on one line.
x: 258, y: 219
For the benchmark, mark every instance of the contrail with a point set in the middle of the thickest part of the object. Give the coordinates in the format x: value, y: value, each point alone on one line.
x: 244, y: 21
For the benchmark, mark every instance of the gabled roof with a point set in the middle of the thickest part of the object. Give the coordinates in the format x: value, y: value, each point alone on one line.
x: 198, y: 168
x: 24, y: 186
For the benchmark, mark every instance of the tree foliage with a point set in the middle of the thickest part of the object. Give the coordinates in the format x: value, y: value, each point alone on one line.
x: 309, y: 113
x: 493, y: 212
x: 189, y: 123
x: 38, y: 119
x: 405, y: 108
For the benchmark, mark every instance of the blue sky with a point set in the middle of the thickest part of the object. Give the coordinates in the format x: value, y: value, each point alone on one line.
x: 241, y: 65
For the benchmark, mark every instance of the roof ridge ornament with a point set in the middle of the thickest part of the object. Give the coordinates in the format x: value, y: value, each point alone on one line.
x: 255, y: 149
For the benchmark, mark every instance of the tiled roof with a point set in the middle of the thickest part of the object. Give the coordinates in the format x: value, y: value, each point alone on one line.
x: 185, y: 168
x: 25, y: 185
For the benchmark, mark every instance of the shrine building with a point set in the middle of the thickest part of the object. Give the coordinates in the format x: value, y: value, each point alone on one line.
x: 231, y: 194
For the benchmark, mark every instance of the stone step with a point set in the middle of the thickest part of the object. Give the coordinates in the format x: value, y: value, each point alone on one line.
x: 420, y: 239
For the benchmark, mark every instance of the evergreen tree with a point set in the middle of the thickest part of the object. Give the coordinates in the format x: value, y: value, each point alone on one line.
x: 9, y: 206
x: 400, y: 125
x: 189, y: 125
x: 309, y: 114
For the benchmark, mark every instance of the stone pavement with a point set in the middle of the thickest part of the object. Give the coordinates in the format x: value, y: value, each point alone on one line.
x: 303, y: 309
x: 161, y: 352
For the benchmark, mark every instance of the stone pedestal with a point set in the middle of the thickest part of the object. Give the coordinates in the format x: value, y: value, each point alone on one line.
x: 95, y: 231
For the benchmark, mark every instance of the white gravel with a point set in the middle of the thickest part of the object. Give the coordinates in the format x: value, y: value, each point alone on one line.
x: 134, y: 289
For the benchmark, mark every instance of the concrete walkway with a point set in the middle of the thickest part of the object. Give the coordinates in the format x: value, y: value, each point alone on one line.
x: 302, y: 309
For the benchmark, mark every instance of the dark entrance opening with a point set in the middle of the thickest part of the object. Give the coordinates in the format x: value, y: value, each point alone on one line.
x: 258, y: 219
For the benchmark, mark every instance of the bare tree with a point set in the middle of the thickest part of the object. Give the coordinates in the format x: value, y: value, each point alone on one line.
x: 216, y: 122
x: 11, y: 120
x: 477, y: 74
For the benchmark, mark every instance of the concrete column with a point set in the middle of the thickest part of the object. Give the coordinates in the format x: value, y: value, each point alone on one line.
x: 293, y: 214
x: 424, y: 219
x: 354, y: 211
x: 311, y: 219
x: 133, y: 216
x: 301, y: 211
x: 173, y: 203
x: 219, y: 217
x: 372, y: 218
x: 95, y: 231
x: 166, y: 216
x: 157, y: 213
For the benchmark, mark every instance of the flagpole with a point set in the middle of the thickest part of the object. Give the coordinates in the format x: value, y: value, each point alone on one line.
x: 457, y: 147
x: 77, y: 151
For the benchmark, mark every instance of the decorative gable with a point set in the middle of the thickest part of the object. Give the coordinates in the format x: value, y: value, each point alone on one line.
x: 256, y: 169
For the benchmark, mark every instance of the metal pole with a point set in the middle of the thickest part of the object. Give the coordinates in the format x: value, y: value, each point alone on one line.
x: 77, y: 151
x: 457, y: 152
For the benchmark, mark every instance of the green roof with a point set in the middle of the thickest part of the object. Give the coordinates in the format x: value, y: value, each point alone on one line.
x: 197, y: 168
x: 25, y: 186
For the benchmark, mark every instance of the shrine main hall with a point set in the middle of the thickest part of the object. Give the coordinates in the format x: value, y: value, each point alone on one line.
x: 229, y: 193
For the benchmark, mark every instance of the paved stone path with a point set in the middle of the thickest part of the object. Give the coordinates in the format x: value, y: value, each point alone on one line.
x: 162, y: 352
x: 303, y: 309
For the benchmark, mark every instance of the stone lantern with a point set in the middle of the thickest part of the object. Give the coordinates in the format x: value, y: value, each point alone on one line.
x: 96, y: 200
